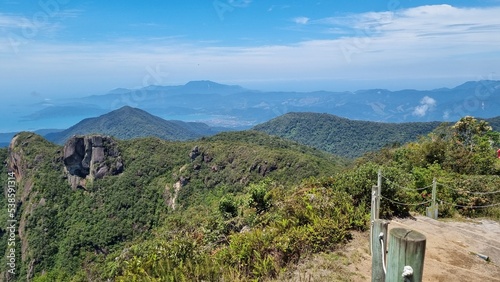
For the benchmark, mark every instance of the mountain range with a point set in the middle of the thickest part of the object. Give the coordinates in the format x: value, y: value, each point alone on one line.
x: 241, y: 205
x: 333, y: 134
x: 119, y: 207
x: 237, y: 107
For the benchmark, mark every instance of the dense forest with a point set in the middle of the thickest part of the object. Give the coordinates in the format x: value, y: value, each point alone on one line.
x: 236, y: 206
x: 341, y: 136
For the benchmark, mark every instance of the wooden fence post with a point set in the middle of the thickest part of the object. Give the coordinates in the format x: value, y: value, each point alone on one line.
x: 374, y: 214
x: 375, y: 208
x: 378, y: 250
x: 375, y: 203
x: 379, y: 190
x: 406, y: 248
x: 433, y: 210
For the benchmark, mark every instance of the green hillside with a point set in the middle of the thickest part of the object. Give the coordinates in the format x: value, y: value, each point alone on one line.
x: 494, y: 122
x: 238, y: 206
x: 128, y: 123
x: 164, y: 184
x: 341, y: 136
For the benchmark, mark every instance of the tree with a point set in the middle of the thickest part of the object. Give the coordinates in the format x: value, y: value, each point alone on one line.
x: 472, y: 147
x: 467, y: 128
x: 227, y: 207
x: 494, y: 138
x: 260, y: 199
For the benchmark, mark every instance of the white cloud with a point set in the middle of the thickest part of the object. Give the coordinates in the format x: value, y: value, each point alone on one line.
x: 411, y: 46
x: 12, y: 21
x: 432, y: 27
x: 421, y: 110
x: 23, y: 28
x: 428, y: 101
x: 426, y: 104
x: 301, y: 20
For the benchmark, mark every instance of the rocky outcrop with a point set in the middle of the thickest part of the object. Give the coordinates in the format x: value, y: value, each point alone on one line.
x: 195, y: 152
x: 89, y: 158
x: 15, y: 164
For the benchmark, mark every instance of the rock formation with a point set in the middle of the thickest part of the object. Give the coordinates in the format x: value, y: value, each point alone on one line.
x: 195, y: 152
x: 89, y: 158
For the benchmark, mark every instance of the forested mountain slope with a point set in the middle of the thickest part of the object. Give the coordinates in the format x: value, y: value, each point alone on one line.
x: 341, y: 136
x: 236, y: 206
x: 494, y: 122
x: 78, y: 203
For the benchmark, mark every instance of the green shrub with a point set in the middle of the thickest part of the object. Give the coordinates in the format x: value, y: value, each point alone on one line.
x: 227, y: 207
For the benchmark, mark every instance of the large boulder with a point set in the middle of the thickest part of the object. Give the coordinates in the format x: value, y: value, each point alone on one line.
x: 77, y: 156
x: 90, y: 158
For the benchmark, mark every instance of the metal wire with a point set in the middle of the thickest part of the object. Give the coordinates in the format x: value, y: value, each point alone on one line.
x: 445, y: 186
x: 469, y: 192
x: 472, y: 207
x: 405, y: 204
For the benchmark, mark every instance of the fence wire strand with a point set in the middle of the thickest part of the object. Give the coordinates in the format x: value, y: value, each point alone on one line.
x: 471, y: 207
x: 469, y: 192
x: 404, y: 204
x: 444, y: 186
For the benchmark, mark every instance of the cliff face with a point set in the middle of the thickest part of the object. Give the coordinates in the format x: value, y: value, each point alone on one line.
x: 15, y: 161
x: 28, y: 153
x: 89, y: 158
x: 41, y: 170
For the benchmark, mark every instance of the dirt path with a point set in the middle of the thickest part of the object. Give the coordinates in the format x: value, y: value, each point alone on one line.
x: 451, y: 253
x: 452, y: 247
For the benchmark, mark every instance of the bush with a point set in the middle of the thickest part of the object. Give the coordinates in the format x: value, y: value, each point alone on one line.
x: 227, y: 207
x: 309, y: 219
x: 260, y: 199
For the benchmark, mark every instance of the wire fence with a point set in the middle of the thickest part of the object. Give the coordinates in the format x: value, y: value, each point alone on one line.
x: 469, y: 192
x: 472, y: 207
x: 406, y: 204
x: 437, y: 199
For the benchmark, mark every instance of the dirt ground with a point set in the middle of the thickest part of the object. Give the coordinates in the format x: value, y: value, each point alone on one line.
x: 451, y: 249
x: 451, y: 253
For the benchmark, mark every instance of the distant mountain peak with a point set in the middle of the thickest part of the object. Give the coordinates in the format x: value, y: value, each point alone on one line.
x: 126, y: 109
x: 128, y: 122
x: 375, y: 91
x: 125, y: 112
x: 479, y: 83
x: 207, y: 86
x: 119, y: 91
x: 206, y: 83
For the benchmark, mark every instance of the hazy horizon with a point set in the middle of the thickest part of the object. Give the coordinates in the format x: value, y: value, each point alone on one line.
x: 27, y: 114
x: 63, y: 49
x: 56, y: 49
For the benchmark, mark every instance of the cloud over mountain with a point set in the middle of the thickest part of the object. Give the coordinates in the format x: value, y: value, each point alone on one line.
x: 426, y: 104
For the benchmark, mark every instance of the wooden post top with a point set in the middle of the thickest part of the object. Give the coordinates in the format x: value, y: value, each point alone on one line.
x: 406, y: 249
x: 408, y: 234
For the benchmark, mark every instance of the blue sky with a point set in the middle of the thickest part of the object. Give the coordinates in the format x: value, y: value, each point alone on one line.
x: 65, y: 48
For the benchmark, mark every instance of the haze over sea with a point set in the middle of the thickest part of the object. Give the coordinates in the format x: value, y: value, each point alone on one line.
x: 53, y: 50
